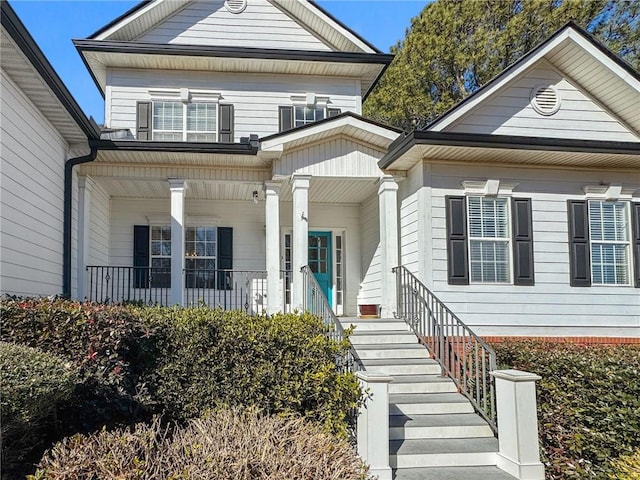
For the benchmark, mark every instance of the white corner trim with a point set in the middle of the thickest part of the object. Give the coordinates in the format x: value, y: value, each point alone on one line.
x: 489, y: 187
x: 608, y: 192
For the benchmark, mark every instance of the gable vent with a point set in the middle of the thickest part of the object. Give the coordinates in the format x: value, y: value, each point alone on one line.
x: 235, y: 6
x: 545, y: 100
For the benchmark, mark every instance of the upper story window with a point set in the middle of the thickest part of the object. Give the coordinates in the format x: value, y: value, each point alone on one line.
x: 175, y: 121
x: 305, y: 110
x: 304, y: 114
x: 610, y: 234
x: 489, y: 239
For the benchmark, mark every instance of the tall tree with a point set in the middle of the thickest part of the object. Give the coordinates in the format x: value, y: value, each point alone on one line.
x: 455, y: 46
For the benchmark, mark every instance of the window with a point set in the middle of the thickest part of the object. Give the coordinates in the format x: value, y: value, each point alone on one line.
x: 160, y: 256
x: 489, y: 239
x: 610, y: 234
x: 175, y: 121
x: 200, y: 252
x: 304, y: 114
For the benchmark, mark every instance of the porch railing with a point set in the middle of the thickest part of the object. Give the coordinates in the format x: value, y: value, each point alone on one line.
x: 227, y: 289
x: 464, y: 356
x: 317, y: 304
x: 108, y: 284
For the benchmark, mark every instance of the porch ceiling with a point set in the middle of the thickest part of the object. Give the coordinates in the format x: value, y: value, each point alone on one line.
x: 149, y: 158
x: 335, y: 190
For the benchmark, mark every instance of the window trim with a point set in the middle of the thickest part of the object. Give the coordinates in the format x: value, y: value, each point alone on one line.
x: 508, y: 239
x: 628, y: 242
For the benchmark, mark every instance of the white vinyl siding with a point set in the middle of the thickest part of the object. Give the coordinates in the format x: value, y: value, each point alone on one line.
x: 31, y: 197
x: 371, y: 280
x: 208, y: 22
x: 551, y: 307
x: 489, y: 235
x: 255, y: 97
x: 509, y: 112
x: 609, y: 231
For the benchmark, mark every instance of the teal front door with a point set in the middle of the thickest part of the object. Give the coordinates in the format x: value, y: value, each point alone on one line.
x: 320, y: 261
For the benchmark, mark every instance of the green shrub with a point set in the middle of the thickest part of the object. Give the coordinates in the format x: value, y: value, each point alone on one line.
x: 280, y: 363
x: 588, y: 403
x: 225, y: 445
x: 109, y: 345
x: 32, y: 384
x: 626, y: 467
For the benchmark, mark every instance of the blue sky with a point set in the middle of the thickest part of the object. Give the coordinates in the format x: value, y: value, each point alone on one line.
x: 54, y: 23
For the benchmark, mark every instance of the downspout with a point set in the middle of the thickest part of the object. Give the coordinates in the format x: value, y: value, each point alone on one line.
x: 67, y: 227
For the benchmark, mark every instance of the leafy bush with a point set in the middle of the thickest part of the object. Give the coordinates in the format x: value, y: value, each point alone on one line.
x: 33, y: 384
x: 588, y: 403
x: 280, y: 363
x: 226, y: 445
x: 109, y: 345
x: 626, y: 467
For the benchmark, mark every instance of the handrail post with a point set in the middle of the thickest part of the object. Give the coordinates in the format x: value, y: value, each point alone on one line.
x: 373, y: 424
x: 519, y: 453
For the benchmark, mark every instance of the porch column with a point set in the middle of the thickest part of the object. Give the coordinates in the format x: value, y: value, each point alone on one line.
x: 388, y: 209
x: 178, y: 187
x: 85, y: 187
x: 272, y: 226
x: 300, y: 189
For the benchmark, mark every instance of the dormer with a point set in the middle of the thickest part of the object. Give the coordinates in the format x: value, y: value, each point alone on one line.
x: 263, y: 65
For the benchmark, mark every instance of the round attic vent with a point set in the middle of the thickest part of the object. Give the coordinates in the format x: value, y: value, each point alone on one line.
x: 235, y: 6
x: 545, y: 100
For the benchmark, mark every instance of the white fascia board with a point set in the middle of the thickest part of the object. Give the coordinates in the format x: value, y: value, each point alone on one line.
x: 516, y: 72
x: 126, y: 21
x: 336, y: 127
x: 324, y: 18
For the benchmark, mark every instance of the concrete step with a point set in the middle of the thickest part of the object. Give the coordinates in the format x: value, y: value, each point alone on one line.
x: 422, y: 384
x: 451, y: 473
x: 428, y: 403
x: 392, y: 350
x: 461, y: 425
x: 459, y: 452
x: 381, y: 337
x: 413, y: 366
x: 376, y: 325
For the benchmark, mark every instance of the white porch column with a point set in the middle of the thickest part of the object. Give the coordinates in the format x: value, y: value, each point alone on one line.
x: 85, y: 187
x: 300, y: 189
x: 388, y: 208
x: 272, y: 226
x: 373, y: 424
x: 178, y: 187
x: 519, y: 453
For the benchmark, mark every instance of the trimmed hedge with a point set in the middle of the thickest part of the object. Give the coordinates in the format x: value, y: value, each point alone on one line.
x: 32, y: 384
x: 225, y: 445
x: 588, y: 403
x: 626, y: 467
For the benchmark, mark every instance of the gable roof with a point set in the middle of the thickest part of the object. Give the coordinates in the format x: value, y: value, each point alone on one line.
x: 579, y: 56
x: 149, y: 13
x: 27, y: 66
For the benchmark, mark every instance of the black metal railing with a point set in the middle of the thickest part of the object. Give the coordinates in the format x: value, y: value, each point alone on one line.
x: 316, y: 303
x: 107, y: 284
x: 464, y: 356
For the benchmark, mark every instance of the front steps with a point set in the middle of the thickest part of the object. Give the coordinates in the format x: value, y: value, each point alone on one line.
x: 434, y: 433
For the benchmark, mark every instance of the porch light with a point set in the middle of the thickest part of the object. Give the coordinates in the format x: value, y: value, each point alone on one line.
x: 255, y: 197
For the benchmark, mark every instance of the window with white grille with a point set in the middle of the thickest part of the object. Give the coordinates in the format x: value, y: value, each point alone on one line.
x: 609, y: 231
x: 176, y: 121
x: 489, y: 239
x: 304, y: 114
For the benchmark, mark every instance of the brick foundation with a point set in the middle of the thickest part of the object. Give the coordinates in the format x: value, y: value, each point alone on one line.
x: 576, y: 340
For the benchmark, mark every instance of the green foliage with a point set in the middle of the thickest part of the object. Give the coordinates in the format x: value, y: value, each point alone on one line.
x: 454, y: 46
x: 109, y: 345
x: 33, y: 384
x: 280, y: 363
x: 225, y: 445
x: 588, y: 403
x: 626, y: 467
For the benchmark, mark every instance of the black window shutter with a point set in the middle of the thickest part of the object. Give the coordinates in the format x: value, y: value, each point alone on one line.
x: 141, y: 256
x: 226, y: 124
x: 457, y: 251
x: 522, y: 226
x: 332, y: 112
x: 285, y: 118
x: 225, y: 257
x: 579, y: 258
x: 143, y: 120
x: 635, y: 222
